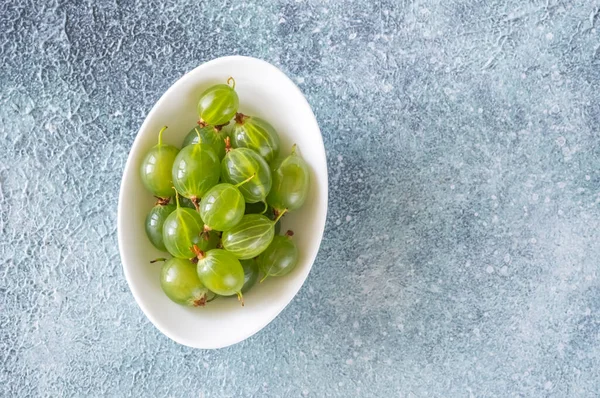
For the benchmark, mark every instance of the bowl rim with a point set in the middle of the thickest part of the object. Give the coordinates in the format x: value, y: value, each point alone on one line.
x: 127, y: 169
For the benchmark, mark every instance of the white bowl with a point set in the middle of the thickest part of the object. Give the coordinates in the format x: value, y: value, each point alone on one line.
x: 263, y: 91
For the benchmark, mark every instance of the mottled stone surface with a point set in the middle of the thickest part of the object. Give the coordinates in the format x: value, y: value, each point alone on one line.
x: 460, y: 257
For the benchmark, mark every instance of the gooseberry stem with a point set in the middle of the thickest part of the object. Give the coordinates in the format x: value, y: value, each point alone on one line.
x: 199, y: 253
x: 240, y: 118
x: 219, y: 127
x: 245, y: 181
x: 231, y: 82
x: 195, y: 202
x: 176, y: 197
x: 157, y: 260
x: 162, y: 201
x: 198, y: 134
x: 263, y: 279
x: 266, y: 207
x: 227, y: 145
x: 240, y: 298
x: 160, y: 135
x: 280, y: 215
x: 201, y: 302
x: 289, y: 233
x: 205, y: 232
x: 294, y: 149
x: 212, y: 299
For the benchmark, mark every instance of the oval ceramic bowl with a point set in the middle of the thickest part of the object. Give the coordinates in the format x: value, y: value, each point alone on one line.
x: 263, y: 91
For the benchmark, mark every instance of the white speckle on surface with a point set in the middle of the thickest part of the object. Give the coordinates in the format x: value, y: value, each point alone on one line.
x: 561, y: 141
x: 355, y: 324
x: 549, y: 36
x: 535, y: 197
x: 587, y: 178
x: 562, y: 184
x: 349, y: 361
x: 340, y: 158
x: 548, y: 385
x: 50, y: 127
x: 348, y: 218
x: 504, y: 270
x: 300, y: 80
x: 338, y: 221
x: 452, y: 186
x: 489, y: 269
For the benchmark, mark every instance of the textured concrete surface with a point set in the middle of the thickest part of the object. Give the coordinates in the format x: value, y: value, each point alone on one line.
x: 461, y: 252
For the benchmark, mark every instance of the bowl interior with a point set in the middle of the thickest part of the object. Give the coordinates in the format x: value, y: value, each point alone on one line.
x: 263, y: 91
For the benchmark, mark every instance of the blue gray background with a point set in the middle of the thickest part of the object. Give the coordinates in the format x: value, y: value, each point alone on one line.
x: 460, y: 257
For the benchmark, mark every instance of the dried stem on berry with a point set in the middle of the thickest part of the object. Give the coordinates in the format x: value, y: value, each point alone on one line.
x: 201, y: 302
x: 199, y: 253
x: 195, y: 202
x: 240, y: 118
x: 162, y: 201
x: 219, y: 127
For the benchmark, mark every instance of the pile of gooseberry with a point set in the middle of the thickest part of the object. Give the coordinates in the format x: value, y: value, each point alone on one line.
x: 220, y: 199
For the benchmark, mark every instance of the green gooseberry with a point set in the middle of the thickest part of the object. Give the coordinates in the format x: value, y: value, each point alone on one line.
x: 222, y: 207
x: 291, y: 180
x: 183, y: 229
x: 155, y: 169
x: 257, y: 134
x: 221, y: 272
x: 241, y: 163
x: 155, y: 221
x: 218, y: 104
x: 195, y: 171
x: 180, y: 282
x: 280, y: 258
x: 251, y: 236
